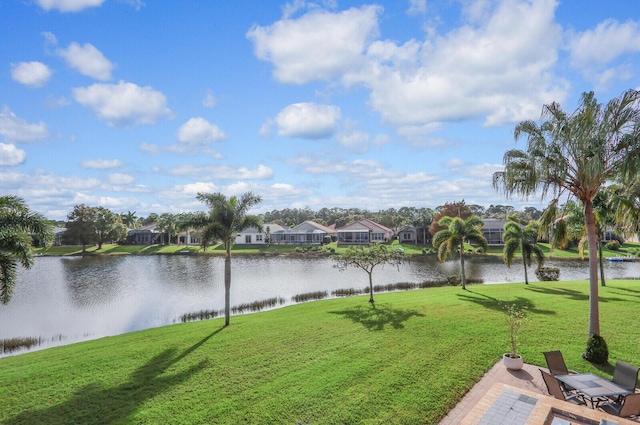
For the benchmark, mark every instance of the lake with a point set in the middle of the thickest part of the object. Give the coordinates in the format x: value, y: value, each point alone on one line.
x: 69, y: 299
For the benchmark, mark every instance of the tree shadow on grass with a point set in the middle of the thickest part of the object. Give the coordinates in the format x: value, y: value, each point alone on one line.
x: 572, y: 294
x: 96, y: 404
x: 376, y: 317
x: 499, y: 305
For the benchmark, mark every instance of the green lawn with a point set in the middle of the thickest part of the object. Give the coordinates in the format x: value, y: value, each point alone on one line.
x: 408, y: 361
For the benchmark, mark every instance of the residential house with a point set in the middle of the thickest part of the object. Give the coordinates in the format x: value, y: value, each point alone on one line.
x: 252, y: 236
x: 408, y: 234
x: 363, y: 231
x: 308, y: 232
x: 146, y: 235
x: 492, y: 230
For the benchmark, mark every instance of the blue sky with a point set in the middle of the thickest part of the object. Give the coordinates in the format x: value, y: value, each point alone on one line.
x: 138, y: 106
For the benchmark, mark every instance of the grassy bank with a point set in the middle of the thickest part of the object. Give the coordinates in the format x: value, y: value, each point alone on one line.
x: 408, y: 361
x: 409, y: 249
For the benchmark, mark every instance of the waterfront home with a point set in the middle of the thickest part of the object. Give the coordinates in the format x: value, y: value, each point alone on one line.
x: 408, y: 234
x: 493, y: 229
x: 363, y: 232
x: 308, y: 232
x: 253, y: 236
x: 146, y: 235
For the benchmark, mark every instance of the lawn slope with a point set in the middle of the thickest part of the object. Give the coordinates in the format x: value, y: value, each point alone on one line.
x: 408, y: 361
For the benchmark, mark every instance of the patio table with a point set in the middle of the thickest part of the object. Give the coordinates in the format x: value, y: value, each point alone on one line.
x: 593, y: 387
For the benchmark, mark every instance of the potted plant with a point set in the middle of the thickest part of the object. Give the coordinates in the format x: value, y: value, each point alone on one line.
x: 516, y: 318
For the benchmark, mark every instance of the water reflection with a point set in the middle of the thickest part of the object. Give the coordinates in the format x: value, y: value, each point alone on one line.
x: 92, y: 297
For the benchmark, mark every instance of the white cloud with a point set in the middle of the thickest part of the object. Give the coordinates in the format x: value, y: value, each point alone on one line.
x: 124, y: 103
x: 33, y: 73
x: 121, y: 179
x: 317, y: 46
x: 87, y: 60
x: 199, y: 130
x: 101, y: 164
x: 417, y: 7
x: 149, y: 148
x: 16, y: 129
x: 10, y: 155
x: 222, y: 172
x: 68, y: 5
x: 308, y: 120
x: 194, y: 188
x: 356, y: 141
x: 592, y: 50
x: 501, y: 69
x: 209, y: 100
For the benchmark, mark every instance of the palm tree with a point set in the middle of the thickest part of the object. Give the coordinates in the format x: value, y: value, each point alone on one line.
x: 226, y: 218
x: 451, y: 240
x: 576, y: 153
x: 168, y: 223
x: 129, y: 219
x: 525, y: 239
x: 17, y: 226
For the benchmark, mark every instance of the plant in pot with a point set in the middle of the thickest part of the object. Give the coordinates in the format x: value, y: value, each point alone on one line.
x: 516, y: 317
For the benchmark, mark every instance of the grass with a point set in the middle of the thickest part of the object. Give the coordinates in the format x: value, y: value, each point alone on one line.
x: 408, y: 360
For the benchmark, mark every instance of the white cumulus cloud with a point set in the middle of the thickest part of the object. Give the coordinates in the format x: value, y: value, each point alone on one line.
x: 124, y: 103
x: 317, y: 46
x: 16, y: 129
x: 87, y: 60
x: 101, y: 164
x: 120, y: 179
x: 10, y: 155
x: 199, y: 130
x: 308, y: 120
x: 33, y: 73
x: 69, y: 5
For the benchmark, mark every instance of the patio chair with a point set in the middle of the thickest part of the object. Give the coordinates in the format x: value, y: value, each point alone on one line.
x: 556, y: 364
x: 625, y: 375
x: 556, y: 390
x: 629, y: 405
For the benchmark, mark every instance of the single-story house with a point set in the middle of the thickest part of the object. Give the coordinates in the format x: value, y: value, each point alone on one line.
x: 308, y: 232
x: 493, y: 229
x: 146, y: 235
x: 408, y: 234
x: 363, y: 231
x: 252, y: 236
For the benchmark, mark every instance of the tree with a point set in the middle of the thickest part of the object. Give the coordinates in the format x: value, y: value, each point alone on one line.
x: 80, y: 226
x: 451, y: 240
x: 576, y: 153
x: 130, y: 220
x: 367, y: 258
x: 168, y: 223
x: 524, y: 239
x: 225, y: 219
x: 18, y: 224
x: 423, y: 220
x: 107, y: 225
x: 449, y: 209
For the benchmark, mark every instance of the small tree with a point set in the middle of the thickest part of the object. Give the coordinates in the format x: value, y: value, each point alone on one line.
x: 80, y: 226
x: 524, y: 239
x: 516, y: 317
x: 367, y: 258
x: 107, y: 225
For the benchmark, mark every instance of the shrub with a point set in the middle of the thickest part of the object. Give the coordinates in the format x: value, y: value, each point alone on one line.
x: 479, y: 250
x: 597, y: 351
x: 547, y: 274
x: 454, y: 280
x: 613, y: 245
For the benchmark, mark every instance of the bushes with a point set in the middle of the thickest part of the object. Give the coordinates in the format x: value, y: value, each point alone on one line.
x: 597, y: 351
x: 614, y: 245
x: 548, y: 274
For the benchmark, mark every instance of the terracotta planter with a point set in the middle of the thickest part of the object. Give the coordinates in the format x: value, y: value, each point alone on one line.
x: 512, y: 363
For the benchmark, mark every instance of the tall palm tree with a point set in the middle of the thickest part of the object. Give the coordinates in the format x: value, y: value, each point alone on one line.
x: 524, y: 239
x: 226, y: 218
x: 451, y: 240
x: 576, y: 153
x: 17, y: 225
x: 130, y: 220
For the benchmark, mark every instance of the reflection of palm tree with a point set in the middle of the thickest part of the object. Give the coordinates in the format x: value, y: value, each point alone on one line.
x: 451, y: 240
x: 577, y: 153
x: 525, y: 239
x: 17, y: 225
x: 226, y: 218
